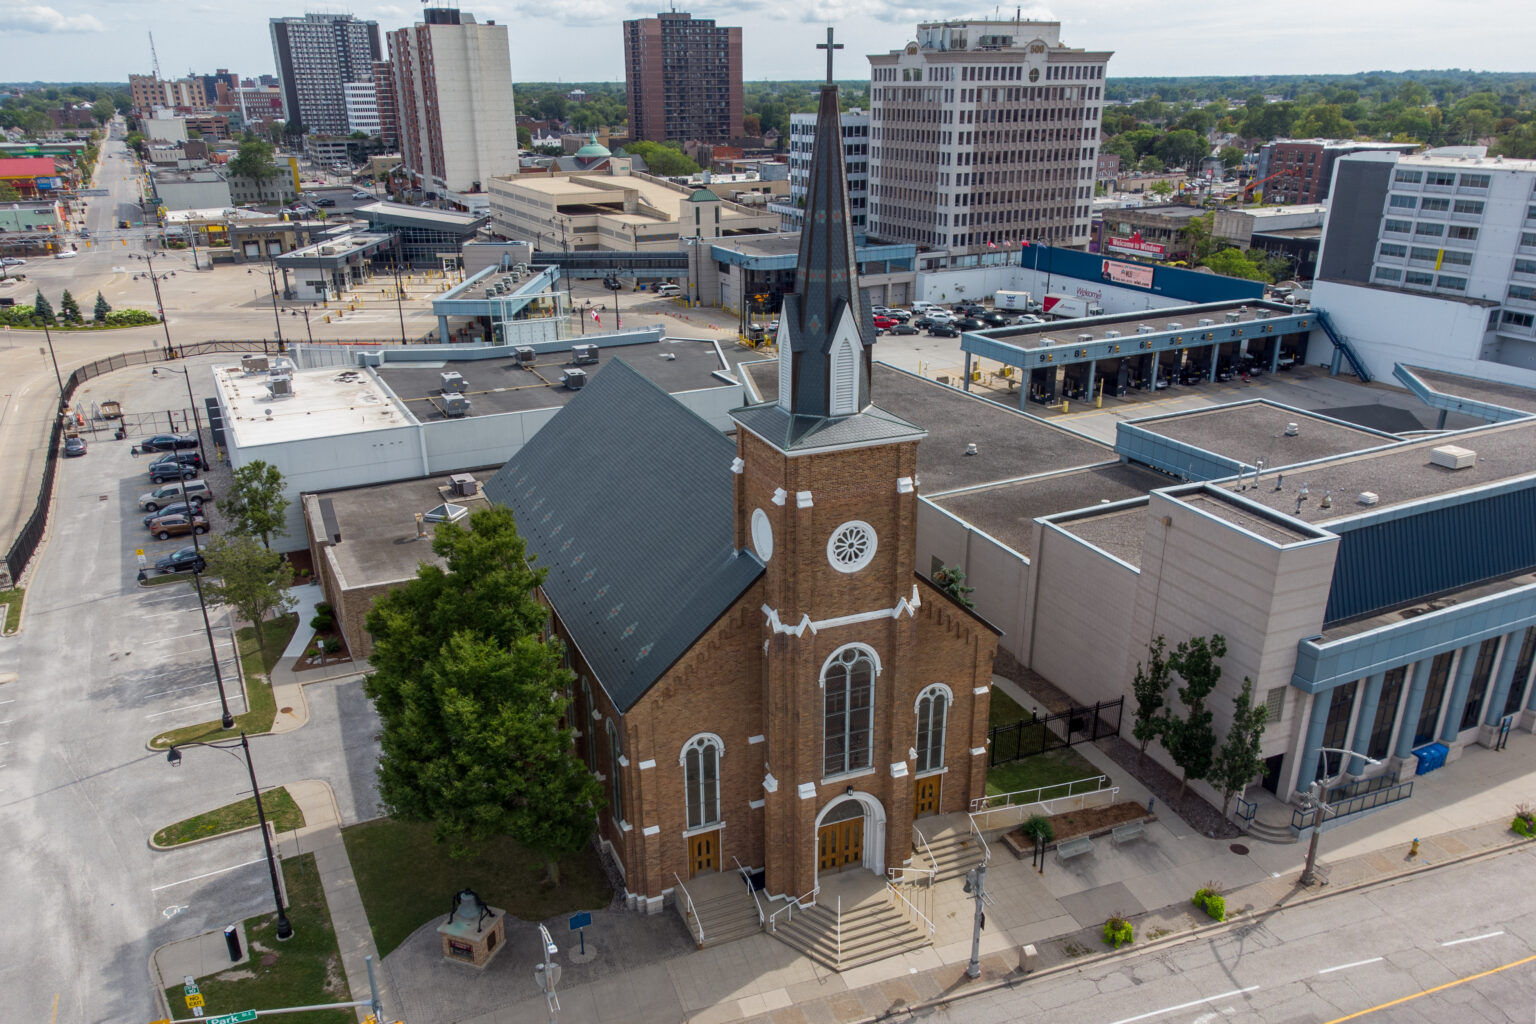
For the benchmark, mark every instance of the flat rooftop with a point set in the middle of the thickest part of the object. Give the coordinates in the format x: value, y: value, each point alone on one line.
x: 1510, y: 396
x: 1402, y: 474
x: 1119, y: 532
x: 503, y: 385
x: 1418, y: 606
x: 1250, y: 431
x: 1009, y: 444
x: 1186, y: 318
x: 1228, y: 511
x: 378, y: 530
x: 1007, y: 511
x: 335, y: 400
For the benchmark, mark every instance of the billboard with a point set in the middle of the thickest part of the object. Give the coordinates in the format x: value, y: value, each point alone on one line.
x: 1136, y: 247
x: 1127, y: 273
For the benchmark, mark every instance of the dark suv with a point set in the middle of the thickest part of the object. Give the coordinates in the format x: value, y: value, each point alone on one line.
x: 167, y: 443
x: 187, y: 559
x: 166, y: 472
x: 193, y: 459
x: 180, y: 508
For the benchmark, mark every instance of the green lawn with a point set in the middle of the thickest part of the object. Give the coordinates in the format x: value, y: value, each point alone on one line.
x: 281, y: 811
x: 406, y: 879
x: 12, y: 599
x: 1004, y: 710
x: 165, y: 579
x: 1048, y: 769
x: 255, y: 661
x: 303, y: 971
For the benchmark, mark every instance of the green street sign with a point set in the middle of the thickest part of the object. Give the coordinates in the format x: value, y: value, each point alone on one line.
x: 232, y: 1018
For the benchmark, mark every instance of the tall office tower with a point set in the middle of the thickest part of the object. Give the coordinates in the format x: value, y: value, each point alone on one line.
x: 149, y: 92
x: 984, y: 133
x: 802, y: 143
x: 384, y: 100
x: 682, y: 78
x: 453, y: 90
x: 316, y: 56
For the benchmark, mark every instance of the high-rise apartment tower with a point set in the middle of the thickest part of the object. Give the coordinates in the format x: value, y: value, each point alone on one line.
x: 316, y: 56
x: 682, y: 78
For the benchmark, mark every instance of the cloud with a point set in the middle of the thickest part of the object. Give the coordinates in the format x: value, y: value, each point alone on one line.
x: 42, y: 19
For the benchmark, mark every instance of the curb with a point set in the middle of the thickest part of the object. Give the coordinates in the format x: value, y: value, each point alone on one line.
x: 150, y: 842
x: 1015, y: 977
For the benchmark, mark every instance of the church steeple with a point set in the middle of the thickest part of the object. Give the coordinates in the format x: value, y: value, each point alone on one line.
x: 826, y: 328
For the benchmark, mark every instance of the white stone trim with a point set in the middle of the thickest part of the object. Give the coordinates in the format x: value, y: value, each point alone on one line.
x: 902, y: 606
x: 770, y: 783
x: 930, y: 690
x: 738, y: 465
x: 689, y: 833
x: 852, y: 526
x: 754, y: 739
x: 779, y: 495
x: 981, y: 690
x: 651, y: 830
x: 807, y: 790
x: 803, y: 499
x: 904, y: 485
x: 931, y: 771
x: 625, y: 826
x: 978, y: 751
x: 709, y: 738
x: 842, y: 779
x: 623, y: 761
x: 649, y: 762
x: 576, y: 734
x: 757, y: 805
x: 597, y: 716
x: 761, y: 529
x: 898, y: 769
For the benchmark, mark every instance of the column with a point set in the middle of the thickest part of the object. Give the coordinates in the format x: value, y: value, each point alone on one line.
x: 1508, y: 655
x: 1089, y: 386
x: 1274, y: 355
x: 967, y: 371
x: 1309, y: 754
x: 1156, y: 365
x: 1364, y: 720
x: 1215, y: 361
x: 1418, y: 681
x: 1458, y: 702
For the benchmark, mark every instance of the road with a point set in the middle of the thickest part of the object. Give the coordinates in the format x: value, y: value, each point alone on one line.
x: 100, y: 667
x: 1455, y: 944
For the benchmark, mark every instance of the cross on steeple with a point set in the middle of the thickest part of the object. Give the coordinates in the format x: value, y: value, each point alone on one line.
x: 829, y: 46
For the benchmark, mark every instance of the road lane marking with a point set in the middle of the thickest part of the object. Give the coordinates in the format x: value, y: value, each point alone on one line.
x: 1185, y: 1006
x: 1453, y: 942
x: 1357, y: 963
x: 184, y: 707
x: 1432, y: 991
x: 208, y: 874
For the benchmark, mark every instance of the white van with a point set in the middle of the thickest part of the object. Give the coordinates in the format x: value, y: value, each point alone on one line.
x: 671, y: 291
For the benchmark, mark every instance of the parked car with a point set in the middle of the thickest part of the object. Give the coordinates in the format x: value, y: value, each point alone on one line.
x: 74, y: 446
x: 193, y: 507
x: 164, y: 472
x: 362, y: 195
x: 176, y: 524
x: 193, y: 459
x: 879, y: 310
x: 187, y: 559
x: 944, y: 331
x: 905, y: 329
x: 993, y: 318
x: 196, y: 491
x: 897, y: 313
x: 884, y: 323
x: 167, y: 443
x: 13, y: 261
x: 970, y: 323
x: 325, y: 202
x: 1026, y: 320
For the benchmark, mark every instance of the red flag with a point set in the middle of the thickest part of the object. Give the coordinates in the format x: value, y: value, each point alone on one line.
x: 991, y: 245
x: 595, y: 318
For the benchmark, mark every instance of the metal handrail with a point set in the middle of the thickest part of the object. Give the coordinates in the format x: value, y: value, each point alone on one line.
x: 792, y: 904
x: 893, y: 891
x: 931, y: 858
x: 986, y: 852
x: 1247, y: 809
x: 692, y: 910
x: 840, y: 929
x: 1309, y: 817
x: 892, y: 872
x: 987, y: 802
x: 1076, y: 801
x: 746, y: 876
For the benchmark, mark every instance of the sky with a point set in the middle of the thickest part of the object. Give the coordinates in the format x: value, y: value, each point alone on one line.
x: 579, y: 40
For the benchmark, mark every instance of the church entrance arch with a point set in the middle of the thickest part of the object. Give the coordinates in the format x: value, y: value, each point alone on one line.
x: 850, y: 831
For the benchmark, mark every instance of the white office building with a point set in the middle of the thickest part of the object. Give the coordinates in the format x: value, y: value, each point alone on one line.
x: 983, y: 132
x: 802, y: 139
x: 453, y: 89
x: 362, y: 107
x: 1430, y: 260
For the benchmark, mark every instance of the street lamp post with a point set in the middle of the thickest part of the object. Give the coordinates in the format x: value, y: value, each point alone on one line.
x: 1316, y: 794
x: 399, y: 304
x: 975, y: 887
x: 154, y: 279
x: 284, y: 928
x: 56, y: 375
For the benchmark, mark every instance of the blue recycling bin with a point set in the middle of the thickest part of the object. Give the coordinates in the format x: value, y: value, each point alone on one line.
x: 1430, y: 757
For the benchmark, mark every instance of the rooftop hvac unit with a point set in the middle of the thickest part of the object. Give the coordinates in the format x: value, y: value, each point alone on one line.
x: 463, y: 485
x: 1292, y: 429
x: 1206, y: 322
x: 1368, y: 498
x: 1175, y: 327
x: 1083, y: 339
x: 1049, y: 341
x: 1233, y: 316
x: 280, y: 386
x: 253, y: 364
x: 574, y: 379
x: 524, y: 354
x: 582, y: 355
x: 455, y: 405
x: 1261, y: 314
x: 1144, y: 328
x: 1111, y: 334
x: 453, y: 381
x: 1451, y: 456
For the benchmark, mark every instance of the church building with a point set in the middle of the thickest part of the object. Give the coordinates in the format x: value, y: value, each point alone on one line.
x: 764, y: 679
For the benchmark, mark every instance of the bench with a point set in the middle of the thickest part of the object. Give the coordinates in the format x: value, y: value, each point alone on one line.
x: 1073, y: 847
x: 1125, y: 833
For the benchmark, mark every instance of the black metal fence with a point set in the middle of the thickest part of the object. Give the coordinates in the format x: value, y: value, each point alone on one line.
x: 1029, y: 737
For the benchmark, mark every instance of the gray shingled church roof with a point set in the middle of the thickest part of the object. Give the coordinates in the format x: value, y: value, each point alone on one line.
x: 799, y: 433
x: 627, y: 498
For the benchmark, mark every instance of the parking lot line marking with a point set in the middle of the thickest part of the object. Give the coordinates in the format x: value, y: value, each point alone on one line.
x: 179, y: 689
x: 1453, y: 942
x: 1185, y: 1006
x: 1357, y: 963
x: 178, y: 636
x: 184, y: 707
x: 207, y: 874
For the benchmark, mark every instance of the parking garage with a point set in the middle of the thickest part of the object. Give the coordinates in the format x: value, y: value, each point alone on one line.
x: 1111, y: 356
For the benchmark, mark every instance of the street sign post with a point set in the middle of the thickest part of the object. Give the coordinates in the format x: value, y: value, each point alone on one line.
x: 578, y: 924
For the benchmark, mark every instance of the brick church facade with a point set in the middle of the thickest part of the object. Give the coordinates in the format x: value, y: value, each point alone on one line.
x: 764, y: 680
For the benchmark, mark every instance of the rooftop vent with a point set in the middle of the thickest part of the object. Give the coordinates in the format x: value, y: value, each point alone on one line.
x: 253, y: 364
x: 1292, y: 429
x: 1050, y: 341
x: 1368, y: 498
x: 1111, y: 334
x: 524, y: 355
x: 1206, y: 321
x: 1083, y: 339
x: 1144, y: 328
x: 1451, y: 456
x: 453, y: 381
x: 1175, y: 327
x: 280, y: 386
x: 574, y: 379
x: 463, y: 485
x: 582, y: 355
x: 1233, y: 316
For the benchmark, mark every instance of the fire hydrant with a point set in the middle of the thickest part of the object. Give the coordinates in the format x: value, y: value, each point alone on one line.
x: 1413, y: 851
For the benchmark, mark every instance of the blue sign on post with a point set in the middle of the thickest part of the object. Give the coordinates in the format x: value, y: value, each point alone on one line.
x: 579, y: 922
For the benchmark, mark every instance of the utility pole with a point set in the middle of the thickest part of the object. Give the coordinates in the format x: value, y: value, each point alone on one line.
x: 975, y: 886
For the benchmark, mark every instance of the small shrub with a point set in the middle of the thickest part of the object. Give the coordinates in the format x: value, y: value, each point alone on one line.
x: 331, y: 645
x: 1038, y: 826
x: 322, y: 607
x: 1525, y: 820
x: 1212, y: 902
x: 322, y: 622
x: 1118, y: 931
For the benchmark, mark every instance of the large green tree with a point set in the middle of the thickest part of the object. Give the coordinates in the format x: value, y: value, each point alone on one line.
x: 254, y: 504
x: 663, y: 160
x: 471, y: 698
x: 1240, y: 759
x: 253, y: 161
x: 1149, y: 688
x: 248, y: 577
x: 1189, y: 738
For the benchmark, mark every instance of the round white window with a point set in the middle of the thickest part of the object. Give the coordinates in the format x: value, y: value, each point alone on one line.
x: 762, y: 535
x: 851, y: 546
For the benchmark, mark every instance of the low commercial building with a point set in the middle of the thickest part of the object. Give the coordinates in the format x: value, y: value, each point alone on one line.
x: 1148, y: 232
x: 1301, y: 170
x: 32, y: 176
x: 1293, y: 233
x: 190, y: 190
x: 326, y: 269
x: 427, y: 237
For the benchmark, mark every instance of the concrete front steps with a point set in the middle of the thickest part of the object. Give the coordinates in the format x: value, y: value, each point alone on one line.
x: 722, y: 909
x: 1279, y: 835
x: 871, y: 931
x: 949, y: 854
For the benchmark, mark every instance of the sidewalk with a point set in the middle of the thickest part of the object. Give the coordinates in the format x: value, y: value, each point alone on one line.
x: 288, y: 685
